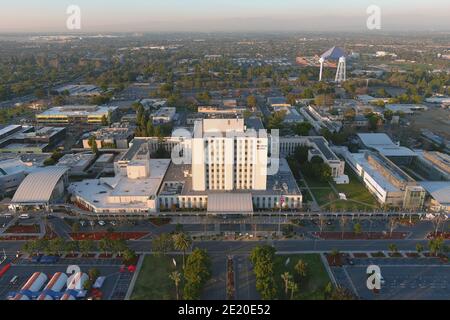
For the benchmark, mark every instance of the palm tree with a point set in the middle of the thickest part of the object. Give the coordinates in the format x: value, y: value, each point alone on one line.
x: 343, y: 222
x: 393, y: 248
x: 301, y: 268
x: 419, y: 248
x: 293, y: 287
x: 176, y: 278
x: 287, y: 279
x: 182, y: 242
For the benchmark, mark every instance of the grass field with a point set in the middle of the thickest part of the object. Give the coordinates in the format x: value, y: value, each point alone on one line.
x: 356, y: 190
x: 312, y: 286
x: 153, y: 282
x: 358, y: 196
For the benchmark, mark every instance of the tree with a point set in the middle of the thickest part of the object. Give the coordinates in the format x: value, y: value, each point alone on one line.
x: 335, y: 254
x: 55, y: 246
x: 286, y: 279
x: 341, y: 293
x: 393, y: 248
x: 105, y: 121
x: 118, y: 246
x: 328, y: 290
x: 128, y: 255
x: 392, y: 225
x: 105, y: 245
x: 302, y: 128
x: 71, y: 247
x: 357, y: 228
x: 182, y: 242
x: 262, y: 258
x: 275, y: 121
x: 343, y: 221
x: 93, y: 273
x: 301, y: 268
x: 162, y: 243
x: 436, y: 245
x: 86, y: 246
x: 437, y: 221
x: 419, y: 248
x: 301, y: 154
x: 251, y: 101
x: 293, y: 287
x: 196, y: 273
x: 175, y: 276
x: 75, y: 227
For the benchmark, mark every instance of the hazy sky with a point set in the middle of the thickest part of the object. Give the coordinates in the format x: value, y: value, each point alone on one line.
x: 222, y: 15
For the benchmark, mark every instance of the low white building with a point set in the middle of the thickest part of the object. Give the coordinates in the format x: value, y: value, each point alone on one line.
x: 388, y: 184
x: 164, y: 115
x: 132, y: 190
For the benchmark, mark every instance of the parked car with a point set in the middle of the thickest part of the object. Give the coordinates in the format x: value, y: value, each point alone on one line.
x: 102, y: 223
x: 24, y: 216
x: 49, y: 259
x: 36, y: 259
x: 14, y: 280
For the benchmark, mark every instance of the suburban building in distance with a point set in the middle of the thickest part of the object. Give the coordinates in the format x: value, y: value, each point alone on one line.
x: 81, y: 90
x: 76, y: 115
x: 29, y: 139
x: 319, y: 121
x: 113, y: 137
x: 164, y: 115
x: 77, y: 163
x: 273, y: 102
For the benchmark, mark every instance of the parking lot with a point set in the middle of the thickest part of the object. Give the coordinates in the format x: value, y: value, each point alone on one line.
x: 114, y: 287
x: 404, y: 278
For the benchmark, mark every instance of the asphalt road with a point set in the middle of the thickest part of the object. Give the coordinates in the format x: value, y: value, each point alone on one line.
x: 236, y: 247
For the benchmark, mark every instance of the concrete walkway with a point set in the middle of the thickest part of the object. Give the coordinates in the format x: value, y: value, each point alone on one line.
x: 135, y: 276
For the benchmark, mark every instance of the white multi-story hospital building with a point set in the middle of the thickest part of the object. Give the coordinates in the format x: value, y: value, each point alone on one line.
x: 228, y: 174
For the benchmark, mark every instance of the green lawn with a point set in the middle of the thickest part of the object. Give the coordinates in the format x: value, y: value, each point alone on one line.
x: 323, y: 195
x: 312, y: 286
x: 356, y: 191
x: 153, y: 282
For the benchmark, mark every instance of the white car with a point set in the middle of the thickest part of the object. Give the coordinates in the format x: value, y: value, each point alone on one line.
x: 102, y: 223
x: 24, y: 216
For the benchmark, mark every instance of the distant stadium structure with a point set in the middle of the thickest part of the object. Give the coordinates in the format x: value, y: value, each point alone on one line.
x: 337, y: 55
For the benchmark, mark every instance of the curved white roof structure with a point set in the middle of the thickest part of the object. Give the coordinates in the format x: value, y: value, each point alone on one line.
x: 38, y: 186
x: 333, y: 53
